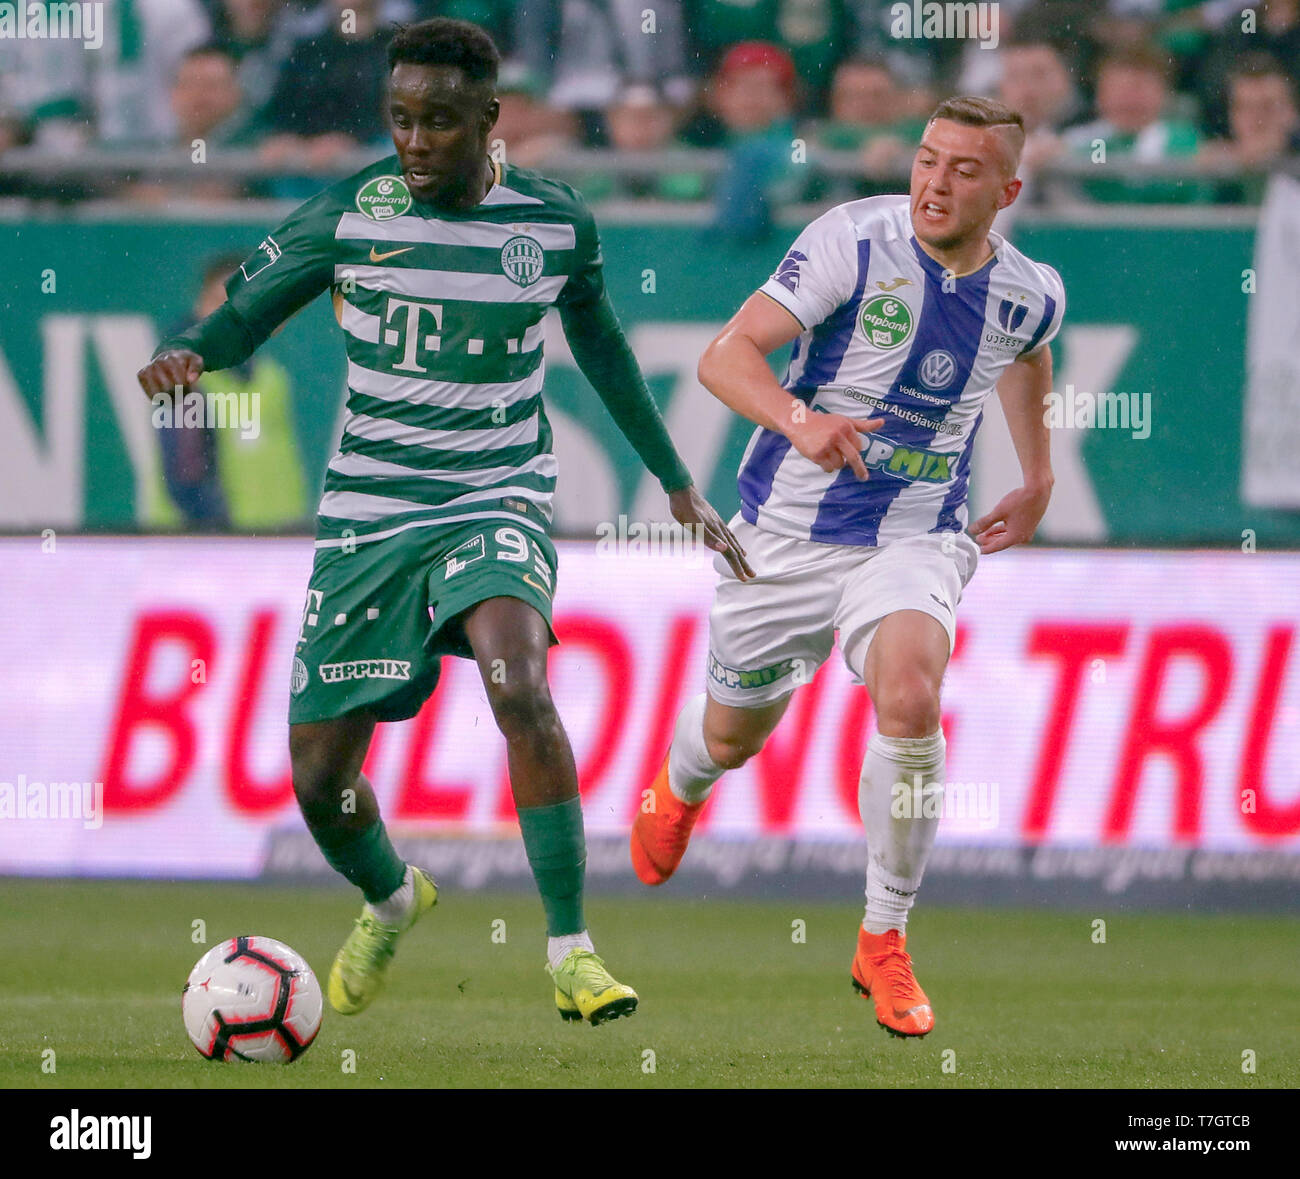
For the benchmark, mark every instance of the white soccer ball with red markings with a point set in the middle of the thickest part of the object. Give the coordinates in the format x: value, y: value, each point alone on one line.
x: 252, y: 998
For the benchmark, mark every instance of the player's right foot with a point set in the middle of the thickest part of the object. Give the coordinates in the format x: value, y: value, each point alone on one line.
x: 361, y: 966
x: 882, y: 971
x: 584, y: 989
x: 659, y: 837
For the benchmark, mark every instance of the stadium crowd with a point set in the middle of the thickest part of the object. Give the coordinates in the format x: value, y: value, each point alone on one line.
x: 777, y: 88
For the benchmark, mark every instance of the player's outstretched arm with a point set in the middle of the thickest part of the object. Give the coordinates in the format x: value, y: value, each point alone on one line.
x: 607, y: 361
x: 1023, y: 391
x: 734, y: 369
x: 289, y: 268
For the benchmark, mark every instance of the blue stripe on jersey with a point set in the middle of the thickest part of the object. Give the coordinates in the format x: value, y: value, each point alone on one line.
x: 1049, y: 314
x: 830, y: 340
x: 831, y: 337
x: 956, y: 496
x: 756, y: 476
x: 851, y: 512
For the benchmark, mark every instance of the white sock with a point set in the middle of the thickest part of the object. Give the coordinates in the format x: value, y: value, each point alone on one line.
x: 394, y: 910
x: 691, y: 771
x: 900, y: 798
x: 557, y: 948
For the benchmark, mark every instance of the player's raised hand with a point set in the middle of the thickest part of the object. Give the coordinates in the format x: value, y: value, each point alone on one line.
x: 688, y: 506
x: 832, y: 440
x: 169, y: 369
x: 1013, y: 521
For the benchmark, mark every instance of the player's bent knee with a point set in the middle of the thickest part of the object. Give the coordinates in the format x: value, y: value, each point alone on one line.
x: 733, y: 750
x: 522, y: 704
x: 909, y: 708
x: 319, y: 773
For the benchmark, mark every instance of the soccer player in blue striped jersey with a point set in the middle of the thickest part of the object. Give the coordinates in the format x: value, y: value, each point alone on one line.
x: 905, y: 314
x: 433, y: 528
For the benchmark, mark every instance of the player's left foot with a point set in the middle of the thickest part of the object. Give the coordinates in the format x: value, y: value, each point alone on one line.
x: 361, y: 966
x: 882, y: 970
x: 584, y: 989
x: 660, y: 836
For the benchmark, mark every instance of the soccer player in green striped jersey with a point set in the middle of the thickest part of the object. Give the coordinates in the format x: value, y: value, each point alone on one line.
x: 433, y: 527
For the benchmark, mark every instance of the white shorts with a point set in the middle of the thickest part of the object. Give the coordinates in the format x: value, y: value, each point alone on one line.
x: 769, y: 635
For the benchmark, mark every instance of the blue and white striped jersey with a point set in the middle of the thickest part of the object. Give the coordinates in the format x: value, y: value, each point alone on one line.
x: 888, y: 333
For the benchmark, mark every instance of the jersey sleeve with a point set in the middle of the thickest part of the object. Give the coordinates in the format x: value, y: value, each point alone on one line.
x: 1053, y: 313
x: 290, y: 267
x: 586, y: 282
x: 819, y: 272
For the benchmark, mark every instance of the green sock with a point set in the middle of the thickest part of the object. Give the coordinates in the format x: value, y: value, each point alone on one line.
x: 557, y: 854
x: 366, y: 858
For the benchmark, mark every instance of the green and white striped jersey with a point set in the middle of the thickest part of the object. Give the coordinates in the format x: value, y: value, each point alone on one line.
x: 442, y: 316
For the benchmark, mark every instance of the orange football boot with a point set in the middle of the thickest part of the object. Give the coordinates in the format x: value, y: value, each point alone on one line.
x: 659, y: 838
x: 882, y: 970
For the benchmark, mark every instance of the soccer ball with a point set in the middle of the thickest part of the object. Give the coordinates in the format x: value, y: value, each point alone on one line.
x: 252, y: 998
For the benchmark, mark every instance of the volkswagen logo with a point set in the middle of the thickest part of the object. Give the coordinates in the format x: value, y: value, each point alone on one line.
x: 937, y: 369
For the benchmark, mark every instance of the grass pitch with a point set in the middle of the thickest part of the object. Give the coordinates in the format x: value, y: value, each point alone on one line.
x: 94, y: 969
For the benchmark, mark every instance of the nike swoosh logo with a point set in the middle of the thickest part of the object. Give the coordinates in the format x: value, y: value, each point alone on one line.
x: 375, y: 257
x: 942, y: 603
x: 529, y: 578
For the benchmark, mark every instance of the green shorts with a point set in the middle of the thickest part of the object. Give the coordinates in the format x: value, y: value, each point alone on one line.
x: 379, y: 617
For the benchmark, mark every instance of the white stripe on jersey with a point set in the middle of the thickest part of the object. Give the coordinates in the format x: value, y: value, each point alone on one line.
x: 361, y: 425
x: 364, y: 467
x: 358, y: 323
x: 434, y: 521
x: 444, y: 394
x: 356, y: 226
x: 446, y: 285
x: 363, y: 507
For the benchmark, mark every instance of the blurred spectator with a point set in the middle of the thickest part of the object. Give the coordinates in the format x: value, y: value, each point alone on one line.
x: 44, y: 93
x: 867, y: 116
x: 1263, y: 125
x: 642, y: 120
x: 1276, y: 31
x: 1036, y: 82
x: 813, y: 33
x: 208, y: 101
x: 216, y: 478
x: 329, y: 98
x: 189, y: 453
x: 980, y: 70
x: 530, y: 129
x: 210, y: 113
x: 583, y: 52
x: 258, y: 34
x: 917, y: 62
x: 1132, y: 95
x: 754, y: 96
x: 69, y: 95
x: 131, y: 75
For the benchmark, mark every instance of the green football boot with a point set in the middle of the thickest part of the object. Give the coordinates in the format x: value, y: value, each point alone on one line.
x: 584, y: 989
x: 361, y: 966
